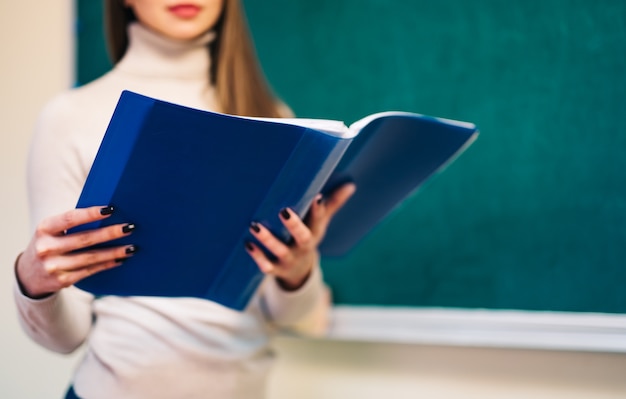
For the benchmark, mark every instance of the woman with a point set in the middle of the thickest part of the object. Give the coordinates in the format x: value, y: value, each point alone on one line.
x: 199, y: 55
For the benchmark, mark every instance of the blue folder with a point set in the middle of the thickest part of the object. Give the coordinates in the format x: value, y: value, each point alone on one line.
x: 192, y: 181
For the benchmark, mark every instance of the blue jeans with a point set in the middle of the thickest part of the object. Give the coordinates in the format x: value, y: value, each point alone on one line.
x: 71, y: 394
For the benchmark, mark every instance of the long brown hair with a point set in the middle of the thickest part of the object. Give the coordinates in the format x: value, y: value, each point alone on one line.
x: 240, y: 84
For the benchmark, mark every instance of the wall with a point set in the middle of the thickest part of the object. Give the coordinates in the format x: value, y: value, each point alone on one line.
x: 38, y: 63
x: 334, y: 370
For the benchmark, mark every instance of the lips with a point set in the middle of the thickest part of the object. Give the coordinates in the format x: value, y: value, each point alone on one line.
x: 185, y: 11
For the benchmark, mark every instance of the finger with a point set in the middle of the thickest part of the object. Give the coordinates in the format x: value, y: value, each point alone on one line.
x: 56, y: 225
x: 316, y: 217
x: 338, y: 198
x: 265, y: 265
x: 296, y: 228
x: 86, y: 239
x: 73, y: 277
x: 47, y: 245
x: 323, y: 211
x: 278, y: 248
x: 76, y: 261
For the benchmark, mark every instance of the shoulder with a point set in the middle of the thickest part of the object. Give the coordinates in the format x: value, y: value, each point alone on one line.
x: 96, y: 93
x: 76, y: 108
x: 56, y: 114
x: 59, y: 106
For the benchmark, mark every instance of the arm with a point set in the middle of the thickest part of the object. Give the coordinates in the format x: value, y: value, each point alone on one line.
x: 59, y: 322
x: 296, y: 296
x: 51, y: 311
x: 54, y: 316
x: 304, y: 310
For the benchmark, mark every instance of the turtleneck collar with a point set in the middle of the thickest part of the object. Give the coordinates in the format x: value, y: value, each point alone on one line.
x: 150, y: 54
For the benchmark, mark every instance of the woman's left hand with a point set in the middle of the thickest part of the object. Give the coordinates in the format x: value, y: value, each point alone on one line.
x: 295, y: 261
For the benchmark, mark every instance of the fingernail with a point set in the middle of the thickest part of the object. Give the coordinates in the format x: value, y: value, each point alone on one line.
x: 120, y: 260
x: 128, y: 228
x: 319, y: 200
x: 249, y: 246
x: 131, y: 249
x: 255, y: 226
x: 285, y: 213
x: 107, y: 210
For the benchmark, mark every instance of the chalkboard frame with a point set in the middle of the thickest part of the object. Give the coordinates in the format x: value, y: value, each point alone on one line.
x: 488, y: 328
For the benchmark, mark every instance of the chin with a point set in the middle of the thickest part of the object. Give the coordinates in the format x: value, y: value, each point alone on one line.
x: 184, y: 34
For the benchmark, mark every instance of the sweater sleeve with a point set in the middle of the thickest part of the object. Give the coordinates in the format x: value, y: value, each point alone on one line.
x: 304, y: 311
x: 60, y: 322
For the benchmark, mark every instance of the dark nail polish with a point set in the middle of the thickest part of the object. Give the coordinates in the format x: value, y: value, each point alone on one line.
x: 128, y: 228
x: 131, y: 250
x: 255, y: 226
x: 120, y: 260
x: 320, y: 200
x: 285, y: 213
x: 249, y: 246
x: 107, y: 210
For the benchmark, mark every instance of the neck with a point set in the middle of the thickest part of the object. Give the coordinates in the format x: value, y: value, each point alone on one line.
x: 152, y: 54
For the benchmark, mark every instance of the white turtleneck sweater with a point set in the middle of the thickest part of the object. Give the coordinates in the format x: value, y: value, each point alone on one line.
x: 147, y: 347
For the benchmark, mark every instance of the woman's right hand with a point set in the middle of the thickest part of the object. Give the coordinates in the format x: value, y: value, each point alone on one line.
x: 49, y: 263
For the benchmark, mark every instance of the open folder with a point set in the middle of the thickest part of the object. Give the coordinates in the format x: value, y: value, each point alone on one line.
x: 192, y: 181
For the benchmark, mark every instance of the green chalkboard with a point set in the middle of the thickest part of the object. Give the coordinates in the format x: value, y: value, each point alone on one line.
x: 533, y: 216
